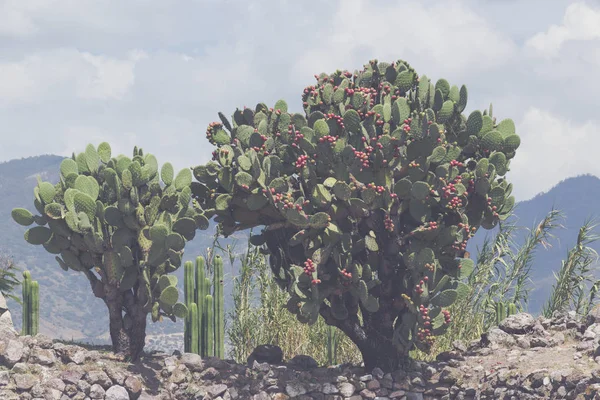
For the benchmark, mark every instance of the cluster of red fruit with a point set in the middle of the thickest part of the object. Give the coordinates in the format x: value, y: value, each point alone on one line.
x: 346, y: 274
x: 328, y: 139
x: 448, y: 190
x: 413, y: 164
x: 297, y: 134
x: 378, y: 189
x: 406, y: 127
x: 419, y: 287
x: 363, y: 157
x: 338, y: 119
x: 301, y: 161
x: 447, y: 318
x: 460, y: 246
x: 424, y: 334
x: 388, y: 223
x: 309, y: 267
x: 211, y: 127
x: 455, y: 163
x: 455, y: 203
x: 493, y: 208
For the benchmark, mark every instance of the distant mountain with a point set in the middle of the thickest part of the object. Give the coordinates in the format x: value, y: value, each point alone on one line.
x: 69, y: 309
x: 578, y: 199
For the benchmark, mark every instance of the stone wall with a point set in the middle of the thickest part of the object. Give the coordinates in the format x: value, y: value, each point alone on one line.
x: 523, y: 358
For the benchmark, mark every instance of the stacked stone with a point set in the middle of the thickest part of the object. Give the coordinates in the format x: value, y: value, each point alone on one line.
x: 523, y: 358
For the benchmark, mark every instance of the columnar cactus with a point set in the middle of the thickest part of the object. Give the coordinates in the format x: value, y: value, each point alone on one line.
x: 210, y: 326
x: 219, y: 309
x: 368, y: 198
x: 504, y: 310
x: 31, y: 305
x: 333, y: 341
x: 112, y: 220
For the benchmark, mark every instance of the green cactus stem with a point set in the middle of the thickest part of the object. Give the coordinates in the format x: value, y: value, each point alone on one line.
x: 332, y: 345
x: 31, y: 305
x: 193, y: 319
x: 35, y: 308
x: 26, y: 288
x: 209, y: 327
x: 188, y: 288
x: 219, y: 309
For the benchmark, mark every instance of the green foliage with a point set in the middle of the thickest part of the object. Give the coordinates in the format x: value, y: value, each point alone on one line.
x: 112, y: 216
x: 8, y: 277
x: 31, y: 305
x: 384, y: 165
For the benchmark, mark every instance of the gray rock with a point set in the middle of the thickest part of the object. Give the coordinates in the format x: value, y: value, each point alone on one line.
x: 25, y: 381
x: 346, y: 389
x: 71, y: 376
x: 268, y: 353
x: 98, y: 377
x: 497, y: 337
x: 6, y: 325
x: 133, y: 385
x: 117, y: 392
x: 4, y: 378
x: 216, y: 390
x: 303, y: 362
x: 14, y: 352
x: 519, y: 323
x: 193, y: 361
x: 97, y: 392
x: 42, y: 356
x: 294, y: 389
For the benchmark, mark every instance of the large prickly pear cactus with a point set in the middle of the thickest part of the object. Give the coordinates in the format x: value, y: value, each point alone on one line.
x: 368, y: 198
x: 112, y: 219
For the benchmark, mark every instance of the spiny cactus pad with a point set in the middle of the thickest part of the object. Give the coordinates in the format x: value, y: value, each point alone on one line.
x: 368, y: 197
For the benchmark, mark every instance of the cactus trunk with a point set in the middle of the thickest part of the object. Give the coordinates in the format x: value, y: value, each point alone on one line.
x: 219, y: 312
x: 127, y: 329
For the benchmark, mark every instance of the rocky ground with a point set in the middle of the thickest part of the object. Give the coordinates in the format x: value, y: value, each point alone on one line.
x: 523, y: 358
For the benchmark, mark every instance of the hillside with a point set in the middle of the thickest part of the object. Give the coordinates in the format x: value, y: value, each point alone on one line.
x: 69, y: 310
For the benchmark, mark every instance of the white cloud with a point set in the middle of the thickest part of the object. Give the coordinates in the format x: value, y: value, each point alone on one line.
x: 552, y: 149
x: 580, y: 23
x: 145, y: 73
x: 59, y: 73
x: 448, y: 38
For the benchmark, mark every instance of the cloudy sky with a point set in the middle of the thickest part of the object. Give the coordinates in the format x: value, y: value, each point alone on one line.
x: 154, y: 73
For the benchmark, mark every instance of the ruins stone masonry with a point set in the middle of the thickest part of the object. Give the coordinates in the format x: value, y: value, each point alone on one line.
x: 523, y: 358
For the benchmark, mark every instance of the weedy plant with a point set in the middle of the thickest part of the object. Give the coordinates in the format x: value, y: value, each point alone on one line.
x: 259, y: 316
